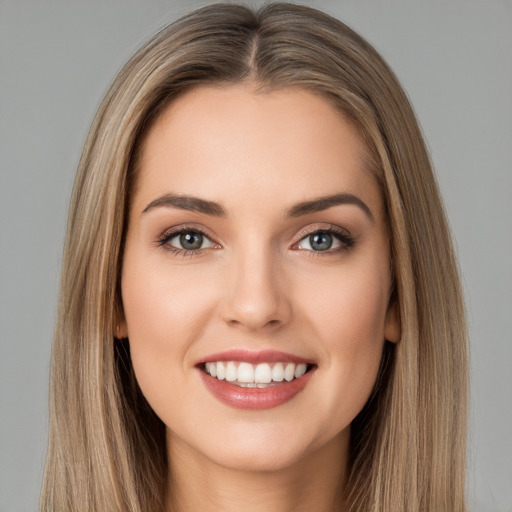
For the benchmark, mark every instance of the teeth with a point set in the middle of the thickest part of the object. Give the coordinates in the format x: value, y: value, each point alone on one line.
x: 278, y: 372
x: 300, y: 370
x: 263, y: 374
x: 260, y: 375
x: 221, y: 371
x: 289, y: 372
x: 245, y: 372
x: 231, y: 373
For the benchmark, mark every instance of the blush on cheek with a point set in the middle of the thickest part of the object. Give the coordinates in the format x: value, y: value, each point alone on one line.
x: 154, y: 374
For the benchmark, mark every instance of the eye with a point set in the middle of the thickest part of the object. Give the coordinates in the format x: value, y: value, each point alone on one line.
x: 186, y: 241
x: 326, y: 240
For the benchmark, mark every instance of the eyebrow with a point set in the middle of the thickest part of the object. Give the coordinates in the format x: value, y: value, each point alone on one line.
x: 190, y: 203
x: 323, y: 203
x: 195, y: 204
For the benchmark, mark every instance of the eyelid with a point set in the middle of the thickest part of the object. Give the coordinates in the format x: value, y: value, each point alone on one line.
x: 343, y: 235
x: 346, y: 239
x: 323, y: 227
x: 184, y: 227
x: 170, y: 233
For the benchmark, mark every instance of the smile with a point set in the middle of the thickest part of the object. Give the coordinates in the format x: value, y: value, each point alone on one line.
x: 255, y: 380
x: 262, y: 375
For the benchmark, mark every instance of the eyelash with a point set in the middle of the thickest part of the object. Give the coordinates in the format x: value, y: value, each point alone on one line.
x: 165, y: 238
x: 346, y: 240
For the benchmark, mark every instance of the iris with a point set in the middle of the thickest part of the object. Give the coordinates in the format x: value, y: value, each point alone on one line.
x: 320, y: 241
x: 191, y: 240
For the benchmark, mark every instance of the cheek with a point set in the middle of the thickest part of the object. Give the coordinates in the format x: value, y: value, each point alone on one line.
x: 164, y: 300
x: 348, y: 308
x: 165, y: 310
x: 349, y: 323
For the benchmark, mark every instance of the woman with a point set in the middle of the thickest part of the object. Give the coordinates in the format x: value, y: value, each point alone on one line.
x: 260, y: 305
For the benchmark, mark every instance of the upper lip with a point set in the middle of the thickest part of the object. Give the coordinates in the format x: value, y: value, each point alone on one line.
x: 255, y: 357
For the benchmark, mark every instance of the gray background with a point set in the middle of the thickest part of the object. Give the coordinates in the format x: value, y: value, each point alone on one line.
x: 56, y: 61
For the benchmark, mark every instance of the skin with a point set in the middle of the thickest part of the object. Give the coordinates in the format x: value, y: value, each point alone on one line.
x: 256, y: 284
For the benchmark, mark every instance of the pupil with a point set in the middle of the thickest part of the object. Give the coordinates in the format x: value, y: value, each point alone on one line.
x: 320, y: 241
x: 191, y: 241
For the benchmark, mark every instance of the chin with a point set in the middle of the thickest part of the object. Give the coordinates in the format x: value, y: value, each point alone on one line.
x: 251, y: 459
x: 269, y: 448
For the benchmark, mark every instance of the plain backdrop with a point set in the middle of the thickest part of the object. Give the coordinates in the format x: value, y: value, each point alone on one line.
x: 58, y: 57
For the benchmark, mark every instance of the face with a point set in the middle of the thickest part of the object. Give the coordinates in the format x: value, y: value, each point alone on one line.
x: 256, y: 275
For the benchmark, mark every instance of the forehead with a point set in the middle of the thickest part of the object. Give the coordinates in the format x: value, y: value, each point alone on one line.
x: 232, y: 142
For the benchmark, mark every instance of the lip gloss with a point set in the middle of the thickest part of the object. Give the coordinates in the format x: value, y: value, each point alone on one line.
x: 254, y: 398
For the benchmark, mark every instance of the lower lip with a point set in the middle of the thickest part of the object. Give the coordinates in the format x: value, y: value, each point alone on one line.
x: 254, y: 398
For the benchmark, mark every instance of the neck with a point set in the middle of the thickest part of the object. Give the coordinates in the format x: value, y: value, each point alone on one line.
x: 314, y: 482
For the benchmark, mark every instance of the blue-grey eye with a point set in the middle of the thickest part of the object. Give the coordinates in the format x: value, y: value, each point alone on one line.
x: 323, y: 241
x: 187, y: 240
x: 320, y: 241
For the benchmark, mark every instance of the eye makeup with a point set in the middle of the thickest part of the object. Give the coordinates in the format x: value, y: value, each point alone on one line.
x: 319, y: 240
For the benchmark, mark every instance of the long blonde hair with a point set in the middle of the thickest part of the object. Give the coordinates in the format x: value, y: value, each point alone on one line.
x: 106, y: 446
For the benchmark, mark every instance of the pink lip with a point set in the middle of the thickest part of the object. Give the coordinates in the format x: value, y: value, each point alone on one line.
x: 262, y: 356
x: 254, y: 398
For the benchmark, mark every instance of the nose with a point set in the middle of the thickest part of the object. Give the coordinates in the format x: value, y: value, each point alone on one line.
x: 257, y: 295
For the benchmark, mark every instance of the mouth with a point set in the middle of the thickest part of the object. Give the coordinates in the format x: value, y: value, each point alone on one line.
x: 261, y: 376
x: 247, y: 380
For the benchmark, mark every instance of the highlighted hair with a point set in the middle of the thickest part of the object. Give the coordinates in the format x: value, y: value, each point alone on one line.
x: 107, y: 447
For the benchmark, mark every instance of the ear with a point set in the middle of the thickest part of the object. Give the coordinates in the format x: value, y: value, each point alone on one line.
x: 121, y: 329
x: 392, y: 326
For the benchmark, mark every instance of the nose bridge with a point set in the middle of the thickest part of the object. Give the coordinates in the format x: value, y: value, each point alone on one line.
x: 256, y: 296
